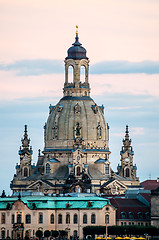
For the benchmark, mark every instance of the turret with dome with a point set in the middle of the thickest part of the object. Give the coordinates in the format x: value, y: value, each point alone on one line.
x: 76, y: 135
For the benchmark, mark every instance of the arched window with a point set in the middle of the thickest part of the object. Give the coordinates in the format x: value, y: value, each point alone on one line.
x: 85, y: 93
x: 127, y: 172
x: 70, y: 74
x: 40, y: 218
x: 67, y: 218
x: 3, y: 234
x: 85, y: 218
x: 19, y: 218
x: 25, y: 172
x: 123, y: 215
x: 28, y: 219
x: 78, y: 171
x: 93, y: 218
x: 82, y: 74
x: 140, y: 215
x: 52, y: 218
x: 107, y: 169
x: 3, y: 218
x: 60, y: 219
x: 12, y: 220
x: 107, y: 218
x: 47, y: 168
x: 147, y: 215
x: 75, y: 218
x: 131, y: 215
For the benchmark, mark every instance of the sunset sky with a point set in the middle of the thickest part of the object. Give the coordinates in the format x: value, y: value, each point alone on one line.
x: 122, y: 42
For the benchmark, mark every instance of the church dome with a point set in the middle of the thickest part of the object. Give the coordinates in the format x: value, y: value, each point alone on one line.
x: 76, y: 118
x: 76, y: 121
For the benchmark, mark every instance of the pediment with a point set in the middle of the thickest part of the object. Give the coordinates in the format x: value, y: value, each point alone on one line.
x: 39, y: 185
x: 115, y: 187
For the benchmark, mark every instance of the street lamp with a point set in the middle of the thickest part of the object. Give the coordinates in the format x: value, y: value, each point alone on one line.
x: 106, y: 222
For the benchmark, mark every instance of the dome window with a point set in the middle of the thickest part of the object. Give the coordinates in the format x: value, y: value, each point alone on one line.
x: 107, y: 169
x: 47, y: 168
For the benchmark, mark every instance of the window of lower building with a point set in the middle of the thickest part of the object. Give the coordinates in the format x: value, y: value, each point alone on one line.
x: 12, y: 219
x: 3, y: 218
x: 121, y: 223
x: 93, y: 218
x: 3, y: 233
x: 67, y: 218
x: 85, y: 218
x: 75, y: 219
x: 131, y: 215
x: 19, y: 218
x: 60, y: 219
x: 40, y: 218
x: 107, y: 218
x: 28, y: 219
x: 124, y: 223
x: 140, y: 215
x: 52, y: 218
x: 123, y: 215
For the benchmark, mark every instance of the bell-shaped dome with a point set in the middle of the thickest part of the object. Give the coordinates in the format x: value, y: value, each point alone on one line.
x: 77, y: 52
x: 76, y: 118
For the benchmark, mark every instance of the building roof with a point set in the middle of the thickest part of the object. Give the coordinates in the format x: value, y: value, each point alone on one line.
x: 129, y: 206
x: 150, y: 184
x: 45, y: 202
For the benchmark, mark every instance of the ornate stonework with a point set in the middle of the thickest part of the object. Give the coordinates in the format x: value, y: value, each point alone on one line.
x: 76, y: 135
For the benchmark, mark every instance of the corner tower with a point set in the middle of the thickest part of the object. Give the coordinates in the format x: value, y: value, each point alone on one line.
x: 127, y: 169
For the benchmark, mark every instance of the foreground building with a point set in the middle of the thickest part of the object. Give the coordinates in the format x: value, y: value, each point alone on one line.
x: 76, y: 152
x: 23, y: 216
x: 155, y: 207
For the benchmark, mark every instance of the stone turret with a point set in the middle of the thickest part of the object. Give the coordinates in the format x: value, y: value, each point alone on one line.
x: 127, y: 169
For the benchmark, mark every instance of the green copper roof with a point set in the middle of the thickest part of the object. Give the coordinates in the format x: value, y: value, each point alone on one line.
x: 44, y: 202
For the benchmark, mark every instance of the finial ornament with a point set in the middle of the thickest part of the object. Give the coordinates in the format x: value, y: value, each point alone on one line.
x: 76, y: 30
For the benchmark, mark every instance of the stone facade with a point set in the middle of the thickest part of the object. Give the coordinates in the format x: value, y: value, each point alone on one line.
x: 76, y: 152
x: 24, y: 216
x: 155, y: 207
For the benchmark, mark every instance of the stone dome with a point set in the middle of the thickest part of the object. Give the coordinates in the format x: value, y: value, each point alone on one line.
x: 76, y: 118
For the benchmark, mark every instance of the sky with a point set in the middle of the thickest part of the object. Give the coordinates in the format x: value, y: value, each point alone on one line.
x: 122, y: 42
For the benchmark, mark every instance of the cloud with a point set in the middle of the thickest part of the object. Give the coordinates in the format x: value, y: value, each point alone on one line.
x: 34, y: 67
x: 125, y: 67
x: 38, y: 67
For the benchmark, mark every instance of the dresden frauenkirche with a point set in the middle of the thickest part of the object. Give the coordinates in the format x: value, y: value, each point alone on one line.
x: 76, y: 151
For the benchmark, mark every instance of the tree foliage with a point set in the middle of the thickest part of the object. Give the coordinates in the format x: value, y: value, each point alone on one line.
x: 121, y: 230
x: 47, y: 233
x: 39, y: 234
x: 54, y: 233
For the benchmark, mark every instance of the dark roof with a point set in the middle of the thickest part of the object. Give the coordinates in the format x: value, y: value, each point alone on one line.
x: 76, y: 52
x: 129, y: 205
x: 150, y: 184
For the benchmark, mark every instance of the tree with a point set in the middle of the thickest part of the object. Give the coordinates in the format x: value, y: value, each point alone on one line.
x: 39, y: 234
x: 47, y: 233
x: 54, y: 233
